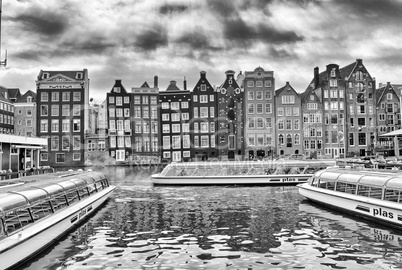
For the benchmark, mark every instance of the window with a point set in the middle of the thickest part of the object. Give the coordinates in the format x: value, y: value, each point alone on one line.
x: 60, y: 157
x: 268, y: 122
x: 76, y: 109
x: 362, y: 139
x: 65, y: 146
x: 137, y: 100
x: 333, y: 83
x: 119, y: 101
x: 65, y: 96
x: 297, y: 139
x: 281, y: 124
x: 250, y: 83
x: 44, y: 110
x: 212, y: 112
x: 137, y: 112
x: 154, y: 100
x: 250, y: 108
x: 195, y: 98
x: 268, y: 95
x: 280, y: 111
x: 29, y: 112
x: 44, y: 96
x: 250, y: 95
x: 281, y: 139
x: 288, y: 111
x: 204, y: 112
x: 176, y: 128
x: 211, y: 98
x: 28, y: 123
x: 267, y: 83
x: 145, y: 100
x: 65, y: 110
x: 76, y: 156
x: 288, y: 99
x: 176, y: 117
x: 175, y: 105
x: 288, y: 124
x: 184, y: 104
x: 145, y: 112
x: 55, y: 96
x: 176, y: 142
x: 55, y: 125
x: 77, y: 96
x: 258, y: 95
x: 203, y: 98
x: 203, y: 87
x: 76, y: 125
x: 126, y: 100
x: 260, y: 122
x: 268, y: 108
x: 251, y: 122
x: 296, y: 124
x: 259, y: 108
x: 126, y: 112
x: 77, y: 142
x: 111, y: 100
x: 44, y: 126
x: 43, y: 156
x: 55, y: 110
x: 205, y: 141
x: 54, y: 143
x: 65, y: 125
x: 195, y: 112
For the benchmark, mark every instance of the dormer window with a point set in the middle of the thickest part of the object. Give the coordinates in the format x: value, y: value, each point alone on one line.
x: 116, y: 89
x: 79, y: 76
x: 45, y: 75
x: 203, y: 87
x: 29, y: 99
x: 333, y: 73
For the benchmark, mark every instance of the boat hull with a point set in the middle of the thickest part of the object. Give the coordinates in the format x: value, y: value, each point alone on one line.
x: 25, y: 244
x: 288, y: 179
x: 384, y: 212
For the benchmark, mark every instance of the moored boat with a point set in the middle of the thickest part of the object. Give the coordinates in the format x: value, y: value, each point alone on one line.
x: 37, y: 210
x: 369, y: 193
x: 280, y: 172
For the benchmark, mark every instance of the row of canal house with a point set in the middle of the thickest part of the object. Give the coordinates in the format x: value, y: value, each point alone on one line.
x: 340, y: 112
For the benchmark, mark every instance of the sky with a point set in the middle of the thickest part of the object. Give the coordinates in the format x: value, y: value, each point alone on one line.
x: 135, y: 40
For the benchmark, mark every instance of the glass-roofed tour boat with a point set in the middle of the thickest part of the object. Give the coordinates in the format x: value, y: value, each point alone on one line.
x: 240, y: 172
x: 37, y: 210
x: 367, y: 193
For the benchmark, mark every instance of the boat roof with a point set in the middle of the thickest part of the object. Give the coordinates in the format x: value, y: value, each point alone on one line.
x: 391, y: 179
x: 31, y: 189
x: 267, y: 163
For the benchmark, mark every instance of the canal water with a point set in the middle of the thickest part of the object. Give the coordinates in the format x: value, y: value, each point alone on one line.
x: 217, y: 227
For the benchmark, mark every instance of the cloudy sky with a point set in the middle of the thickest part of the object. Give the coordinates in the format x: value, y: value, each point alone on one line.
x: 135, y: 40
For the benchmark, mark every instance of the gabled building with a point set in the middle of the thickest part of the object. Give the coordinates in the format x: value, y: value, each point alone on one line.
x: 259, y: 104
x: 203, y: 125
x: 119, y: 117
x: 360, y: 110
x: 6, y: 112
x: 145, y: 113
x: 388, y: 117
x: 62, y: 116
x: 288, y: 118
x: 312, y: 124
x: 230, y: 119
x: 175, y: 123
x: 25, y: 114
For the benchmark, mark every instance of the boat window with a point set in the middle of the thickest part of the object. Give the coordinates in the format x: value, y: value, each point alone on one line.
x: 391, y: 195
x: 315, y: 182
x: 59, y: 202
x: 41, y: 210
x: 323, y: 183
x: 72, y: 197
x: 83, y: 192
x: 2, y: 231
x: 363, y: 190
x: 330, y: 184
x: 17, y: 219
x: 376, y: 192
x: 350, y: 188
x: 341, y: 187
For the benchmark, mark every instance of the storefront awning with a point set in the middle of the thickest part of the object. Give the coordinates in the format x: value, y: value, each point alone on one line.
x: 27, y: 146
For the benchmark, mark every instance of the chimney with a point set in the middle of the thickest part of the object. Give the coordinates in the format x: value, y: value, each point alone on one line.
x: 155, y: 81
x: 229, y: 74
x: 359, y: 61
x: 184, y: 83
x: 202, y: 74
x: 316, y: 76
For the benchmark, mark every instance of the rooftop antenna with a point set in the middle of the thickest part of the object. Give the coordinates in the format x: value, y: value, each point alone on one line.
x: 3, y: 63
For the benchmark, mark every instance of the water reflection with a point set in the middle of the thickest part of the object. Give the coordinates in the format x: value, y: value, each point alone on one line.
x: 218, y: 227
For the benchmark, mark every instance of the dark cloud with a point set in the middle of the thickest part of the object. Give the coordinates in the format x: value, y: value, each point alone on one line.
x: 237, y: 29
x: 152, y: 39
x: 169, y: 9
x: 42, y: 22
x: 224, y: 8
x: 91, y: 44
x: 197, y: 41
x: 281, y: 53
x: 374, y: 9
x: 30, y: 54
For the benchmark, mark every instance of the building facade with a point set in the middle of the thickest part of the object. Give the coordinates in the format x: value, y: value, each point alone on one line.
x: 388, y: 117
x: 259, y: 104
x: 6, y: 112
x: 175, y: 123
x: 361, y: 109
x: 25, y: 115
x: 230, y: 119
x: 289, y: 124
x: 203, y: 121
x: 62, y: 116
x: 119, y: 117
x: 145, y: 113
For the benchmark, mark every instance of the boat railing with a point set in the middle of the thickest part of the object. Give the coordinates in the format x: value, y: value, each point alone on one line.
x: 19, y: 213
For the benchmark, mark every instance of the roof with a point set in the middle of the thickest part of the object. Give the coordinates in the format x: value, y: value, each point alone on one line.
x: 4, y: 96
x: 14, y: 93
x: 392, y: 133
x: 69, y: 73
x: 23, y: 98
x: 172, y: 86
x: 287, y: 86
x: 145, y: 85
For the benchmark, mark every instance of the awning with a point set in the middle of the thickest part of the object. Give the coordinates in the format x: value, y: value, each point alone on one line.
x: 392, y: 133
x: 27, y: 146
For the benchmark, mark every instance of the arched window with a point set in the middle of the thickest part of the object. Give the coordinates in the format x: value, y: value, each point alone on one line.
x: 359, y: 76
x: 360, y: 87
x: 288, y: 140
x: 281, y: 139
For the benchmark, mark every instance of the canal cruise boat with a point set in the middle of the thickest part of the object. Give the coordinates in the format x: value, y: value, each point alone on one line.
x: 368, y: 193
x: 37, y: 210
x: 276, y: 172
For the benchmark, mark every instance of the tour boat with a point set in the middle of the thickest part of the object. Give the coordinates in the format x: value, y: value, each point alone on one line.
x: 37, y: 210
x: 368, y: 193
x: 240, y: 172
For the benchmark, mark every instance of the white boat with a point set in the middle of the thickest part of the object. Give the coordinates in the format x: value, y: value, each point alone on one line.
x: 369, y: 193
x: 37, y: 210
x: 240, y: 172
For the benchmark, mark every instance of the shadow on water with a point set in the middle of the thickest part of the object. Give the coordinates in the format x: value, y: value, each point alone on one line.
x: 217, y: 227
